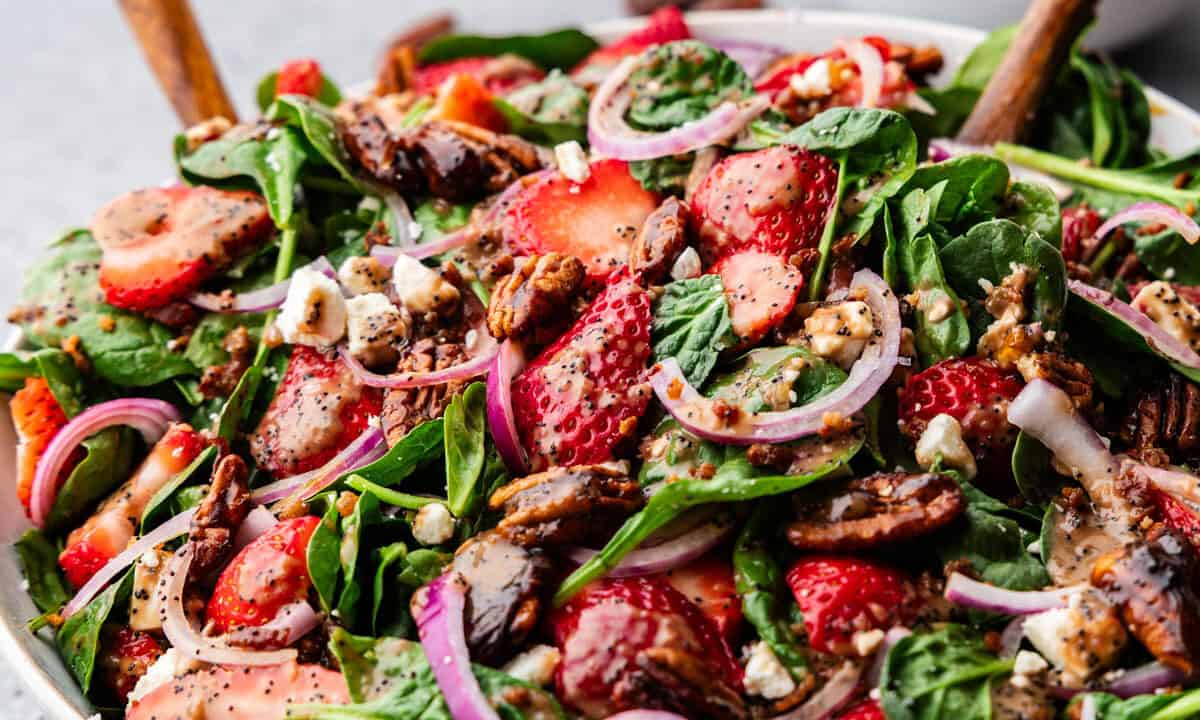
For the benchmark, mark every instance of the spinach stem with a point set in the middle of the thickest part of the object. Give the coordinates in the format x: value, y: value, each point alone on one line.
x: 1186, y: 706
x: 1102, y: 257
x: 818, y: 277
x: 389, y: 496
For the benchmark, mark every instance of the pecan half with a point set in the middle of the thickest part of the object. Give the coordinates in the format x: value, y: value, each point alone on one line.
x: 539, y: 292
x: 881, y: 508
x: 662, y: 238
x: 1163, y: 424
x: 219, y: 515
x: 1071, y: 376
x: 220, y: 380
x: 405, y: 409
x: 566, y: 504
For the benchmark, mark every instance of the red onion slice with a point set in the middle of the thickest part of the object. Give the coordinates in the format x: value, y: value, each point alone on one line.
x: 258, y: 521
x: 609, y: 134
x: 1141, y: 680
x: 501, y: 423
x: 387, y: 254
x: 405, y: 237
x: 1154, y: 212
x: 870, y: 70
x: 962, y: 590
x: 169, y: 530
x: 1087, y: 707
x: 665, y: 556
x: 268, y: 298
x: 754, y: 57
x: 836, y: 694
x: 696, y: 414
x: 148, y: 416
x: 1159, y: 340
x: 1010, y: 637
x: 875, y: 672
x: 941, y: 149
x: 366, y: 448
x: 474, y: 367
x: 440, y: 626
x: 292, y: 622
x: 183, y: 636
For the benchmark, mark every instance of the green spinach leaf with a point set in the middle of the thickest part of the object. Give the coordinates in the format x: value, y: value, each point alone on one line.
x: 79, y: 637
x: 1175, y: 706
x: 1035, y: 478
x: 1035, y: 208
x: 990, y: 537
x: 683, y: 81
x: 465, y: 431
x: 691, y: 324
x: 399, y: 573
x: 666, y: 175
x: 160, y: 507
x: 560, y: 49
x: 318, y: 127
x: 106, y: 464
x: 14, y: 370
x: 324, y: 557
x: 549, y: 112
x: 39, y: 564
x: 353, y: 556
x: 759, y: 581
x: 942, y: 674
x: 423, y: 444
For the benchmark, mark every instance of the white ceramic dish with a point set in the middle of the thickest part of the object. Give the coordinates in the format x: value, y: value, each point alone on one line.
x: 34, y: 658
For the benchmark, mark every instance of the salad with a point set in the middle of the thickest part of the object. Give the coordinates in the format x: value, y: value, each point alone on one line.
x: 672, y: 378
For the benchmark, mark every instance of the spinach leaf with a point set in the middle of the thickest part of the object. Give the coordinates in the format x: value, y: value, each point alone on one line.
x: 421, y: 445
x: 205, y: 346
x: 390, y: 679
x: 1035, y: 478
x: 691, y: 324
x: 683, y: 81
x: 318, y: 127
x: 398, y: 573
x: 64, y: 380
x: 79, y: 637
x: 106, y: 464
x: 352, y: 556
x: 548, y: 112
x: 39, y: 565
x: 1035, y: 208
x: 759, y: 581
x: 465, y: 431
x: 942, y: 331
x: 947, y: 673
x: 159, y: 508
x: 438, y: 218
x: 1169, y: 256
x: 264, y: 93
x: 974, y: 189
x: 14, y: 370
x: 324, y: 557
x: 989, y: 537
x: 62, y: 297
x: 1176, y: 706
x: 666, y: 175
x: 560, y: 49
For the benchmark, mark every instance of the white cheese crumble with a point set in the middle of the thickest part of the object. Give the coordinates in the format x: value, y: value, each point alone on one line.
x: 314, y: 312
x: 1171, y: 312
x: 535, y: 666
x: 572, y: 161
x: 373, y: 327
x: 362, y: 275
x: 433, y: 525
x: 421, y: 289
x: 765, y: 675
x: 814, y: 82
x: 687, y: 265
x: 840, y: 331
x: 943, y: 439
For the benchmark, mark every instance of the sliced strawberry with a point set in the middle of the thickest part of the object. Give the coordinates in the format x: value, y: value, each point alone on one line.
x: 500, y: 75
x: 596, y: 220
x: 842, y: 595
x: 107, y: 532
x: 270, y: 572
x: 973, y: 391
x: 318, y: 409
x: 709, y: 583
x: 461, y: 98
x: 775, y: 200
x: 663, y: 26
x: 1176, y: 515
x: 1079, y: 225
x: 838, y: 84
x: 866, y: 710
x: 125, y: 657
x: 160, y: 244
x: 779, y: 75
x: 37, y: 417
x: 606, y: 631
x: 220, y: 693
x: 299, y: 77
x: 761, y: 289
x: 584, y: 394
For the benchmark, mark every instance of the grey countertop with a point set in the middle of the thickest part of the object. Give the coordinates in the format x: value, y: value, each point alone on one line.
x: 83, y: 120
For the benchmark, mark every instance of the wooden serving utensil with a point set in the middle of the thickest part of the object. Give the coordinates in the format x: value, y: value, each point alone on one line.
x: 179, y: 57
x: 1041, y: 45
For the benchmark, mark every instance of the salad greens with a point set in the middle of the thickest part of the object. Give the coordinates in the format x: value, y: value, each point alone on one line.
x: 691, y: 324
x: 559, y: 49
x: 946, y: 673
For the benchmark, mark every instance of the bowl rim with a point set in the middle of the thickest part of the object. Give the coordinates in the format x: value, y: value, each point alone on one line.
x: 15, y: 638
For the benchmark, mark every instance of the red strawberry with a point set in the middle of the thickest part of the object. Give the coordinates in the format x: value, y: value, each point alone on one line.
x: 605, y: 629
x: 843, y: 77
x: 299, y: 77
x: 865, y: 710
x: 775, y: 200
x: 221, y: 693
x: 270, y: 572
x: 596, y: 220
x: 709, y: 583
x: 973, y: 391
x: 1079, y: 224
x: 761, y: 289
x: 108, y: 531
x: 780, y: 73
x: 842, y: 595
x: 499, y: 75
x: 126, y: 656
x: 317, y: 411
x: 584, y: 394
x: 663, y: 26
x: 1176, y: 515
x: 37, y: 417
x: 160, y: 244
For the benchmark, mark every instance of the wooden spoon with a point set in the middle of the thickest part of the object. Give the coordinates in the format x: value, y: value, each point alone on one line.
x: 179, y: 57
x: 1011, y: 98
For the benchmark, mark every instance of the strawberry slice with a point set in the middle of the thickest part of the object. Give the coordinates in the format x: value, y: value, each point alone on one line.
x: 866, y: 710
x: 299, y: 77
x: 709, y: 583
x: 107, y: 532
x: 270, y: 572
x: 1079, y: 225
x: 160, y: 244
x: 775, y: 200
x: 584, y: 394
x: 37, y: 417
x: 500, y: 75
x: 221, y: 693
x: 663, y: 26
x: 126, y: 656
x: 318, y: 409
x: 761, y: 289
x: 610, y: 633
x: 841, y: 595
x: 974, y: 391
x: 596, y: 220
x: 463, y: 99
x: 1176, y: 515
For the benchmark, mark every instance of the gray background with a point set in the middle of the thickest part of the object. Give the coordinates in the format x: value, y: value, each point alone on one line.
x: 83, y: 121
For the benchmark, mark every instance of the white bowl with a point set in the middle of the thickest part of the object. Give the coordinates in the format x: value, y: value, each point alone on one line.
x: 34, y: 658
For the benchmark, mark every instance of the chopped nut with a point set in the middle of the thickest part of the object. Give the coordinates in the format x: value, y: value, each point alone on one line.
x: 566, y: 505
x: 659, y: 243
x: 539, y: 291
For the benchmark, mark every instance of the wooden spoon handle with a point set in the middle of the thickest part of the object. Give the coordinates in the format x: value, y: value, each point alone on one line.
x: 179, y: 57
x: 1012, y: 96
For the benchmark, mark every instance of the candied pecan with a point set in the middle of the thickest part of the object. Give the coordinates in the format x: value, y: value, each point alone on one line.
x: 1071, y: 376
x: 219, y: 516
x: 177, y: 315
x: 1152, y: 583
x: 366, y: 129
x: 566, y: 505
x: 662, y: 238
x: 539, y: 291
x: 407, y: 408
x: 1164, y: 422
x: 918, y: 62
x: 220, y: 380
x: 881, y: 508
x: 804, y: 455
x: 671, y: 679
